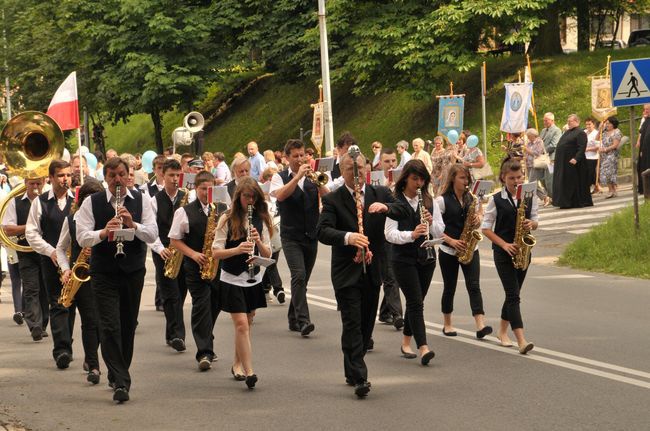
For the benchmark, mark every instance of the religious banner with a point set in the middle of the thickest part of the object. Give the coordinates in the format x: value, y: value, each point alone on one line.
x: 450, y: 113
x: 601, y: 98
x: 515, y: 109
x: 318, y: 122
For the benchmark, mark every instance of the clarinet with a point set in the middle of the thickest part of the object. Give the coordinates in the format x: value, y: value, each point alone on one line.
x: 119, y: 254
x: 249, y: 238
x: 430, y: 253
x: 354, y: 152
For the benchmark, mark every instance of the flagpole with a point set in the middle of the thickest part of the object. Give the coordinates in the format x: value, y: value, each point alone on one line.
x: 81, y: 160
x: 532, y: 90
x: 483, y: 92
x: 325, y: 70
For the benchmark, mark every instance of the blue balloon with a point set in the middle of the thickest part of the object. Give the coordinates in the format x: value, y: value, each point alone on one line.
x: 91, y: 160
x: 452, y: 135
x: 147, y: 161
x: 472, y: 141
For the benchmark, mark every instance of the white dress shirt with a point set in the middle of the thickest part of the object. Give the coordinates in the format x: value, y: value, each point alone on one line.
x: 181, y: 224
x: 146, y: 231
x: 157, y: 246
x: 62, y: 246
x: 277, y: 183
x: 490, y: 215
x: 33, y: 231
x: 405, y: 157
x: 222, y: 172
x: 145, y: 187
x: 440, y: 200
x: 400, y: 237
x: 11, y: 218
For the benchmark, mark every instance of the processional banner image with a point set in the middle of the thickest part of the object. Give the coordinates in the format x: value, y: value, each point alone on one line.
x: 450, y: 113
x: 515, y: 109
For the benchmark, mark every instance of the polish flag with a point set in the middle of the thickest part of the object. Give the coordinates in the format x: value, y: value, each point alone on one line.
x: 64, y: 107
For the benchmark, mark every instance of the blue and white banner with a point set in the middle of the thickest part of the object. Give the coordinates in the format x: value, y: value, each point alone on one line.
x: 450, y: 114
x: 515, y: 109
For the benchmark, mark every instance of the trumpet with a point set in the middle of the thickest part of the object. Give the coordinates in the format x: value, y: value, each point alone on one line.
x: 318, y: 178
x: 119, y: 254
x: 249, y: 238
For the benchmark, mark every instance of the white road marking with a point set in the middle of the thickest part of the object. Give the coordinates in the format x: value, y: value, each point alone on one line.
x: 582, y: 225
x: 578, y: 231
x: 562, y: 277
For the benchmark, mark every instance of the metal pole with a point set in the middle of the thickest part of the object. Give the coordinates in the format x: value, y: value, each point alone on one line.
x: 635, y: 179
x: 483, y: 91
x: 86, y: 133
x: 325, y: 71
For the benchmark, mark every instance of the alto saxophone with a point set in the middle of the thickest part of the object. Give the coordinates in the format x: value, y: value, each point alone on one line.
x: 470, y: 235
x: 80, y: 274
x: 523, y: 239
x: 249, y: 238
x: 173, y: 263
x: 209, y: 270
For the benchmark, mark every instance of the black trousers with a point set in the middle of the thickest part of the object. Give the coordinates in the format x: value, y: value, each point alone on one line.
x: 118, y: 303
x: 591, y: 171
x: 414, y: 280
x: 158, y: 297
x: 512, y: 280
x: 61, y: 318
x: 203, y: 315
x: 449, y: 266
x: 391, y: 304
x: 86, y: 304
x: 16, y: 287
x: 271, y: 278
x: 301, y: 257
x: 173, y: 293
x: 358, y: 307
x: 36, y: 305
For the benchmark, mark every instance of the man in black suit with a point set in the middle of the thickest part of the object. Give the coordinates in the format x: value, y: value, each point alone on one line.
x: 357, y: 293
x: 345, y: 140
x: 241, y: 167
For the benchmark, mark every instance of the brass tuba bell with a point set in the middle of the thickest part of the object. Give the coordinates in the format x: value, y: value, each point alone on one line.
x: 28, y: 142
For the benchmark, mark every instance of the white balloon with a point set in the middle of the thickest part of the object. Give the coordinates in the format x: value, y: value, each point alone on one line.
x: 66, y: 155
x: 84, y: 149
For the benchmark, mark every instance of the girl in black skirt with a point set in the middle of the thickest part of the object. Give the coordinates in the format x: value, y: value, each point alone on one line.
x: 412, y: 267
x: 238, y: 296
x: 499, y: 224
x: 454, y: 203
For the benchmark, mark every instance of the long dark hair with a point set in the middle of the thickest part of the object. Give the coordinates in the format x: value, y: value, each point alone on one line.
x: 415, y: 167
x: 238, y: 214
x: 451, y: 175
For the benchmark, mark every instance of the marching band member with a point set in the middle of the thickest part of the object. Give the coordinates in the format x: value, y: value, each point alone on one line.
x: 499, y: 226
x: 157, y: 183
x: 413, y: 264
x: 117, y: 281
x: 454, y: 206
x: 356, y: 286
x: 36, y: 306
x: 297, y: 199
x: 187, y: 234
x: 85, y: 298
x: 390, y: 309
x: 240, y: 168
x: 241, y: 289
x: 44, y: 223
x: 173, y: 290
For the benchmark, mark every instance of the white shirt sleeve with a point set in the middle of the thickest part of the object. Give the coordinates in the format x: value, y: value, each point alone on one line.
x: 534, y: 209
x: 335, y: 184
x: 276, y: 184
x: 396, y: 236
x: 10, y: 218
x: 62, y: 246
x: 440, y: 201
x: 180, y: 225
x: 157, y: 246
x: 87, y: 236
x: 437, y: 225
x: 33, y: 231
x: 147, y: 230
x: 220, y: 235
x: 490, y: 215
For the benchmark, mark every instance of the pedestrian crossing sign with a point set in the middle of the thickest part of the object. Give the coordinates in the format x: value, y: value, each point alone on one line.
x: 629, y: 78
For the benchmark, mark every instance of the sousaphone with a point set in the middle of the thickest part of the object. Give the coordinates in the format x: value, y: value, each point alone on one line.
x: 28, y: 142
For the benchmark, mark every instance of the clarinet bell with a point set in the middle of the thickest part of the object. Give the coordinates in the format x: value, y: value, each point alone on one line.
x: 119, y: 254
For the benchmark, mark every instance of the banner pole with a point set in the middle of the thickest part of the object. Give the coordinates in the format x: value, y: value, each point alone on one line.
x: 635, y: 179
x: 530, y: 72
x: 483, y: 91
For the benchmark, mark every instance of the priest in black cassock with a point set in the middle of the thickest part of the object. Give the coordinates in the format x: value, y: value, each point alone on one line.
x: 644, y: 145
x: 571, y: 176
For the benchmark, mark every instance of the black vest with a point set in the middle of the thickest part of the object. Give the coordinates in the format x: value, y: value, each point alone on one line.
x: 235, y: 265
x: 454, y: 216
x: 52, y: 218
x: 299, y: 212
x: 22, y: 212
x: 196, y: 236
x: 165, y: 214
x: 506, y: 218
x: 75, y: 248
x: 336, y: 171
x: 152, y: 188
x: 410, y: 253
x: 104, y: 260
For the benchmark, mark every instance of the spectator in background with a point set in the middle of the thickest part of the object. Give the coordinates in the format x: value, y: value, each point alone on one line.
x: 208, y: 161
x: 99, y: 171
x: 550, y: 134
x: 420, y: 154
x: 591, y: 153
x: 376, y: 161
x: 141, y: 176
x: 402, y: 150
x: 221, y: 171
x: 309, y: 156
x: 269, y: 158
x: 258, y: 164
x: 609, y: 152
x: 643, y: 145
x: 240, y: 167
x: 110, y: 153
x: 185, y: 159
x: 441, y: 159
x: 533, y: 149
x: 570, y: 182
x: 279, y: 160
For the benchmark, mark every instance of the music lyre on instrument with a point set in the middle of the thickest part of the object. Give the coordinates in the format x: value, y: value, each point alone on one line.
x: 119, y: 253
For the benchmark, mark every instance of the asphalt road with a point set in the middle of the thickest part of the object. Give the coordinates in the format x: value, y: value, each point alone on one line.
x: 589, y: 369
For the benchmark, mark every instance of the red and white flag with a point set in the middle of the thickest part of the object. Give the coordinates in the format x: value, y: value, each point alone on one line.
x: 64, y: 107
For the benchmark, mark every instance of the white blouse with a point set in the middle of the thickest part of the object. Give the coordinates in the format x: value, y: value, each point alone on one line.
x: 400, y: 237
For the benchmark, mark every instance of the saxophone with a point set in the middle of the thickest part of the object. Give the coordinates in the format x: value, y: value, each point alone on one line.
x: 209, y: 270
x: 173, y: 263
x: 523, y: 239
x: 469, y: 235
x: 80, y: 274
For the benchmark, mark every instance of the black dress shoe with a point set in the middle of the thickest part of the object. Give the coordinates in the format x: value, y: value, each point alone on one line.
x: 37, y: 333
x: 449, y: 334
x: 18, y: 318
x: 93, y: 377
x: 251, y: 380
x: 408, y: 355
x: 238, y: 377
x: 398, y: 323
x: 280, y: 296
x: 177, y: 344
x: 387, y: 320
x: 361, y: 389
x: 307, y: 329
x: 427, y: 357
x: 487, y: 330
x: 63, y: 360
x: 120, y: 395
